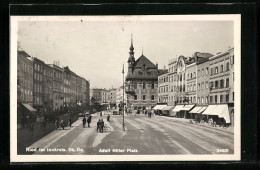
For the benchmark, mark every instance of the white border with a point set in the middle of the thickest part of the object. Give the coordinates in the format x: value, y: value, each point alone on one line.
x: 99, y: 158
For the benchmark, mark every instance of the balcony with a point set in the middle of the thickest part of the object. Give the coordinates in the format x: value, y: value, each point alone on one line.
x: 129, y: 89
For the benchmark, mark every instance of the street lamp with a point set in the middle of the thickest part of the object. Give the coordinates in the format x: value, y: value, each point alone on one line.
x: 123, y: 99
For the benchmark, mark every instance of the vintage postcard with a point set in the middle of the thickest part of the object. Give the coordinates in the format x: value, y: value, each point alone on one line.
x: 125, y: 88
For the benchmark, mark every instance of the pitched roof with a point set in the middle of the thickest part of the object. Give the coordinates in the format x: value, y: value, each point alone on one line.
x: 143, y: 60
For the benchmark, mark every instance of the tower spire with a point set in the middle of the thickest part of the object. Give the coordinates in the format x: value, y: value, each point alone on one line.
x: 131, y: 47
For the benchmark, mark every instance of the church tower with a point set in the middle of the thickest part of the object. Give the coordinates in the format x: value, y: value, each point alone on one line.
x: 131, y: 59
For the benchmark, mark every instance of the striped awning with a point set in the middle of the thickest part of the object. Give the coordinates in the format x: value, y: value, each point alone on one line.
x: 167, y: 108
x: 188, y: 107
x: 202, y: 109
x: 195, y: 109
x: 177, y: 108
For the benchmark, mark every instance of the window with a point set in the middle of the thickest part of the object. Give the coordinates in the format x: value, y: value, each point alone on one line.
x: 227, y: 82
x: 188, y: 76
x: 191, y: 75
x: 227, y: 67
x: 198, y: 86
x: 227, y: 97
x: 198, y: 100
x: 152, y: 97
x: 221, y: 98
x: 206, y: 99
x: 207, y: 85
x: 143, y: 85
x: 166, y: 89
x: 232, y: 60
x: 35, y: 66
x: 221, y: 83
x: 198, y: 73
x: 184, y: 88
x: 216, y: 70
x: 233, y: 96
x: 188, y: 88
x: 180, y: 77
x: 152, y: 86
x: 202, y: 86
x: 143, y: 97
x: 207, y: 71
x: 216, y: 98
x: 221, y: 68
x: 216, y: 84
x: 190, y: 99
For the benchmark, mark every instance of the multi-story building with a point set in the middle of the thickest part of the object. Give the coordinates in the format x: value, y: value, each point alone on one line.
x: 141, y: 82
x: 163, y: 88
x: 72, y: 88
x: 220, y: 77
x: 180, y: 80
x: 24, y: 78
x: 47, y: 88
x: 96, y: 96
x: 87, y: 92
x: 119, y: 96
x: 105, y: 96
x: 79, y: 99
x: 37, y: 82
x: 172, y: 83
x: 84, y: 91
x: 203, y: 81
x: 58, y: 87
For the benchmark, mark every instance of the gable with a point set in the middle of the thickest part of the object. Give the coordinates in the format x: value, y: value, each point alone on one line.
x: 143, y: 60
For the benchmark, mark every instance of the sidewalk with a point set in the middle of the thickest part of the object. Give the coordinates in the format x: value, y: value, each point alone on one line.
x: 230, y: 129
x: 24, y: 139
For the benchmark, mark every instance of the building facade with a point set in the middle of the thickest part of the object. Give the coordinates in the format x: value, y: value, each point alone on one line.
x: 163, y: 88
x: 141, y: 82
x: 47, y: 88
x: 96, y: 96
x: 172, y: 74
x: 24, y: 78
x: 58, y: 87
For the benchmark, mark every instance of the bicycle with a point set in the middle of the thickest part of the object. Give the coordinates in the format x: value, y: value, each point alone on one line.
x: 106, y: 128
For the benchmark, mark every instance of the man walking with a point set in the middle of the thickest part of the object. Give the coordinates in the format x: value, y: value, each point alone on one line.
x: 84, y: 122
x: 89, y: 120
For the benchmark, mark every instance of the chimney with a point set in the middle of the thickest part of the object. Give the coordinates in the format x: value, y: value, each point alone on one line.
x: 157, y: 64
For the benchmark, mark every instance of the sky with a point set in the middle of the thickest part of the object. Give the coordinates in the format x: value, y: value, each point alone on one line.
x: 97, y: 50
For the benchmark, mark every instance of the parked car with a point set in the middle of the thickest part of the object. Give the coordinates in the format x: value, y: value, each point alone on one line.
x: 115, y: 112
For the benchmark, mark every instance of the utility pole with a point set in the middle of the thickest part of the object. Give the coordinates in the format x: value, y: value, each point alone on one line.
x: 123, y: 99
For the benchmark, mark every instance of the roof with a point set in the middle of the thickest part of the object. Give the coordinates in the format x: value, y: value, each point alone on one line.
x: 143, y: 60
x: 67, y: 70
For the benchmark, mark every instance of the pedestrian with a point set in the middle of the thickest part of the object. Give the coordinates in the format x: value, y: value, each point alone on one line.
x: 108, y: 117
x: 84, y: 121
x: 89, y: 120
x: 100, y: 114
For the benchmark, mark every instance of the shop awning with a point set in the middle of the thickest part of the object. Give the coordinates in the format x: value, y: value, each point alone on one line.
x: 167, y: 108
x: 202, y: 109
x: 177, y: 108
x: 188, y: 107
x: 29, y: 107
x: 195, y: 109
x: 210, y: 110
x: 222, y: 112
x: 161, y: 107
x: 156, y: 107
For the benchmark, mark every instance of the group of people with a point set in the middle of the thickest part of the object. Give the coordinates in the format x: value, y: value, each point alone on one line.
x: 84, y: 120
